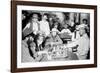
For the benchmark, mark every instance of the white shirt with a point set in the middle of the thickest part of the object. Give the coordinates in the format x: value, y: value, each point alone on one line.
x: 44, y: 27
x: 35, y: 28
x: 83, y: 45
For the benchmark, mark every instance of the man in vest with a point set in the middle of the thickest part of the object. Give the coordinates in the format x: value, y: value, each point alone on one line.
x: 32, y: 26
x: 83, y: 43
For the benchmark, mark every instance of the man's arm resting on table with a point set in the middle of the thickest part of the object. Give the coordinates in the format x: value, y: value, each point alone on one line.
x: 72, y: 44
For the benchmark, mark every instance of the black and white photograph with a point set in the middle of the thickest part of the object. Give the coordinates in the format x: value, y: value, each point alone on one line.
x: 55, y: 36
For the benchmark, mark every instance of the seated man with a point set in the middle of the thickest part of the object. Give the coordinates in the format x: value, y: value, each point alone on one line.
x: 66, y: 30
x: 56, y: 27
x: 39, y: 41
x: 66, y: 34
x: 33, y: 49
x: 27, y: 49
x: 53, y: 38
x: 83, y: 43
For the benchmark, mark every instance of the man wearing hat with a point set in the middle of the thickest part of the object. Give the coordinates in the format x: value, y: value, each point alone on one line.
x: 33, y: 26
x: 83, y: 43
x: 54, y: 38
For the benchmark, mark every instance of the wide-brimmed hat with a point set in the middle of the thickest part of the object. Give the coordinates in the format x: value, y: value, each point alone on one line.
x: 35, y: 15
x: 54, y: 30
x: 82, y: 26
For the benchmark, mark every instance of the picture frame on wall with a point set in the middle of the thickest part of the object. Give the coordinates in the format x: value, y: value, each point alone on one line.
x: 52, y: 36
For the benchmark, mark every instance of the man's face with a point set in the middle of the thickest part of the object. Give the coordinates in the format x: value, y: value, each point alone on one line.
x: 35, y: 18
x: 71, y: 23
x: 50, y: 19
x: 66, y: 26
x: 26, y: 38
x: 84, y: 22
x: 45, y: 17
x: 56, y: 26
x: 31, y: 38
x: 23, y: 16
x: 54, y: 33
x: 40, y: 39
x: 81, y: 31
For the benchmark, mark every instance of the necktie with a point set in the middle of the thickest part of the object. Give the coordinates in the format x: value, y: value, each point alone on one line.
x: 75, y: 35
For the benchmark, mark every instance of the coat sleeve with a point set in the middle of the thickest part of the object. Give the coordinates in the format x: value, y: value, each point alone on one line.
x: 72, y: 44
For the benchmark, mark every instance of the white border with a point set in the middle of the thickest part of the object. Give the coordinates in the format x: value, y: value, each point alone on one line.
x: 51, y: 63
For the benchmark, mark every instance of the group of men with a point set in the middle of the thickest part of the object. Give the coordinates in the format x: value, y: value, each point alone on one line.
x: 37, y: 26
x: 44, y: 36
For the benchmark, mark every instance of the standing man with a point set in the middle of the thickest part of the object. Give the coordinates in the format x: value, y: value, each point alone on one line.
x: 85, y: 23
x: 32, y: 26
x: 44, y: 25
x: 83, y: 43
